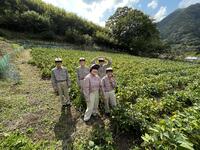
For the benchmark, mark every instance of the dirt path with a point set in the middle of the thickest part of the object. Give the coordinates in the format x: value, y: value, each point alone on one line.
x: 34, y: 108
x: 61, y: 124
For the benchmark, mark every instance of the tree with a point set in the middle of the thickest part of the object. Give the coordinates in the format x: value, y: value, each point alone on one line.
x: 48, y: 22
x: 34, y: 22
x: 135, y: 31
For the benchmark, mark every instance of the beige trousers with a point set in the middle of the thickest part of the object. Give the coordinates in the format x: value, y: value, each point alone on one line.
x: 110, y: 99
x: 92, y: 105
x: 63, y: 92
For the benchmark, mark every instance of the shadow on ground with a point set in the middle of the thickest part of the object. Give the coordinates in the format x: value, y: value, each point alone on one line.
x: 65, y: 128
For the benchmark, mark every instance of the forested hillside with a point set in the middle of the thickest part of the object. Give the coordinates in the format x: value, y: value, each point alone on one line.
x: 128, y: 30
x: 50, y: 23
x: 182, y: 28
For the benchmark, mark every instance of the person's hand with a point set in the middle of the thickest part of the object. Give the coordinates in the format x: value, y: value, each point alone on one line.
x: 112, y: 79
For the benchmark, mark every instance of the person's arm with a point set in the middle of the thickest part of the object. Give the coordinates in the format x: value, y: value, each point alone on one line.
x: 68, y: 78
x: 109, y: 62
x: 88, y: 70
x: 53, y: 81
x: 102, y: 86
x: 94, y: 60
x: 86, y: 89
x: 78, y: 77
x: 113, y: 82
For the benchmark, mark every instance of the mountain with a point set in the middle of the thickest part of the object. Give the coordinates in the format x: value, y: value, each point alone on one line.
x: 182, y: 28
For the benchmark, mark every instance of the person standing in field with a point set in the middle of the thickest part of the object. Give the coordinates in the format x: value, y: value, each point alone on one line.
x: 61, y: 82
x: 91, y: 88
x: 108, y: 87
x: 103, y: 65
x: 82, y: 71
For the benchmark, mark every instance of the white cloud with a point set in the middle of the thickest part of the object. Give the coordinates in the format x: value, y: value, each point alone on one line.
x: 186, y: 3
x: 153, y: 4
x: 126, y: 3
x: 93, y: 11
x: 161, y: 14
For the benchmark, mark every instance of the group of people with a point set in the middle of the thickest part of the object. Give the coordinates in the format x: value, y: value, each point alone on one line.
x: 95, y: 82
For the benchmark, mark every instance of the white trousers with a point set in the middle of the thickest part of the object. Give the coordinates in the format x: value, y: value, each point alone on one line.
x: 92, y: 105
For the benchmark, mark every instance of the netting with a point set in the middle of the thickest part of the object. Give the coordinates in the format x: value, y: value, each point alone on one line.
x: 8, y: 70
x: 4, y: 64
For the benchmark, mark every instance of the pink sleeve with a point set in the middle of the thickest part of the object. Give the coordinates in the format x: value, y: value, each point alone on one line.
x: 114, y: 84
x: 86, y: 88
x: 102, y: 85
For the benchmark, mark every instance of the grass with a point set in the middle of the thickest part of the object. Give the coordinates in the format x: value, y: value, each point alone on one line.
x: 30, y: 107
x: 31, y: 112
x: 148, y: 89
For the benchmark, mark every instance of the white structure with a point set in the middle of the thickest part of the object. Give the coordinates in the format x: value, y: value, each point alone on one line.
x: 192, y: 58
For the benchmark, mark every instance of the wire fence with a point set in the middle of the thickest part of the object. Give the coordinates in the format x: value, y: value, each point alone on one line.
x: 7, y: 69
x: 4, y: 63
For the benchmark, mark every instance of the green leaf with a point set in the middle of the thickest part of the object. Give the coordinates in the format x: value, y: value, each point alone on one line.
x: 186, y: 145
x: 146, y: 138
x: 155, y: 130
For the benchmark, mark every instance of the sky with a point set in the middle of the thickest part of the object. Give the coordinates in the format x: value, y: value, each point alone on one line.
x: 98, y: 11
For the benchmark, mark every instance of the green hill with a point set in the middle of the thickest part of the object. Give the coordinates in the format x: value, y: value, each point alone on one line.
x: 182, y: 28
x: 35, y: 19
x: 47, y: 22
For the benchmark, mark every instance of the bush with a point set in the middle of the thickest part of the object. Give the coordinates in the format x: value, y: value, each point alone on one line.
x: 18, y: 141
x: 180, y: 131
x: 149, y: 91
x: 48, y: 35
x: 103, y: 38
x: 101, y: 139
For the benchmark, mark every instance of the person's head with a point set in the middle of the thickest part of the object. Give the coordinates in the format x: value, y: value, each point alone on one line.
x: 101, y: 61
x: 82, y: 61
x: 94, y: 69
x: 109, y: 72
x: 58, y: 62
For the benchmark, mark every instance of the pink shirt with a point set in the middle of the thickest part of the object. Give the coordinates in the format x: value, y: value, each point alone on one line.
x: 91, y: 84
x: 107, y: 85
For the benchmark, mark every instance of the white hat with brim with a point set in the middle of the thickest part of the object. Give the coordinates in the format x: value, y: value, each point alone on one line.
x: 82, y: 59
x: 109, y: 69
x: 101, y: 59
x: 58, y: 60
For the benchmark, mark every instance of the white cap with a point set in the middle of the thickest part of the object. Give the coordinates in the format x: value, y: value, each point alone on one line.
x: 82, y: 59
x: 58, y: 59
x: 101, y: 59
x: 109, y: 69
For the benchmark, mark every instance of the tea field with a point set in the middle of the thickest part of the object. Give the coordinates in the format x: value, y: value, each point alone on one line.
x: 158, y: 100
